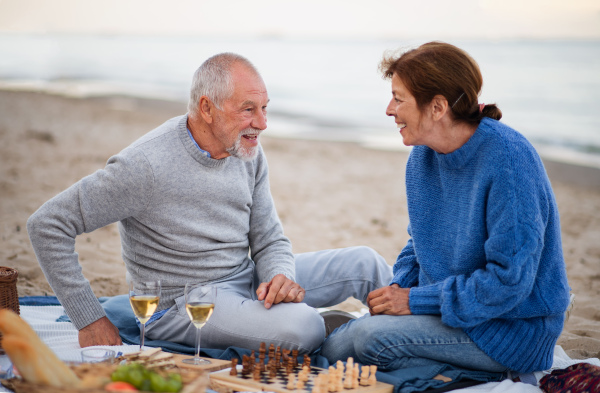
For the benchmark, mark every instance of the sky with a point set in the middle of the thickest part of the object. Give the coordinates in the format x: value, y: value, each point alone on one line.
x: 354, y: 19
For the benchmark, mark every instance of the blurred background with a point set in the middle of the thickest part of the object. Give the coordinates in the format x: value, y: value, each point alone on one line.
x: 540, y: 59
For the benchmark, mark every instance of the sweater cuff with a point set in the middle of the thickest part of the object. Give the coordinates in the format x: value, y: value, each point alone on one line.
x: 426, y: 300
x: 83, y: 308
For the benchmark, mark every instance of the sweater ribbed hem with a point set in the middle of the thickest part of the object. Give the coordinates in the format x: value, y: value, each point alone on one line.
x: 83, y: 308
x: 521, y: 345
x: 426, y: 300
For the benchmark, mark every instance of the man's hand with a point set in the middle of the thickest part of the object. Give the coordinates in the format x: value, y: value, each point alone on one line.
x: 100, y: 332
x: 280, y: 290
x: 391, y: 300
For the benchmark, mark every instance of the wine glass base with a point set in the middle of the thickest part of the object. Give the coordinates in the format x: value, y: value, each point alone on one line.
x: 196, y: 361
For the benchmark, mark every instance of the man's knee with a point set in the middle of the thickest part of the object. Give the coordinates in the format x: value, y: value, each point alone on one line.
x: 367, y: 263
x: 368, y: 257
x: 304, y: 331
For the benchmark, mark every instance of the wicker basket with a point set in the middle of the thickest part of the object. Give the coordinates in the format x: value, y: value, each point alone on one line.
x: 8, y: 291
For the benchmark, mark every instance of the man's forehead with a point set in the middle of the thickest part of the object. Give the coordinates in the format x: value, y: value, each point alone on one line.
x: 249, y: 89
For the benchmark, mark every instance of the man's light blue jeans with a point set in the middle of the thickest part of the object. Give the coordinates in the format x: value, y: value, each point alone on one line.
x: 240, y: 320
x: 393, y: 342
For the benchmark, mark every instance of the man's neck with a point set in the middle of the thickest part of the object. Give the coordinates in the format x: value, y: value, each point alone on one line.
x: 204, y: 138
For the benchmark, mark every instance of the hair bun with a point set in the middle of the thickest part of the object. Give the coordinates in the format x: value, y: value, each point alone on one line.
x: 491, y: 111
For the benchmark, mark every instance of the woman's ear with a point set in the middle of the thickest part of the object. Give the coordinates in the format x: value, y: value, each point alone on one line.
x: 439, y: 107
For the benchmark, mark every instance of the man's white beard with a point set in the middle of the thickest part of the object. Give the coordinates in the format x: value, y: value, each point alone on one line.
x: 242, y: 152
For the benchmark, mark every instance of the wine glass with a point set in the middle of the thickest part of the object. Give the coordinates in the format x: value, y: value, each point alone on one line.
x: 199, y: 304
x: 143, y: 297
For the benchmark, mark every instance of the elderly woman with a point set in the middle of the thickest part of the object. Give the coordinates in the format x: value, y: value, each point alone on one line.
x: 481, y: 283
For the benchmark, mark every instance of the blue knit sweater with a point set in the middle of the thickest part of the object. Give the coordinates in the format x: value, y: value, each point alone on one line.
x: 485, y: 250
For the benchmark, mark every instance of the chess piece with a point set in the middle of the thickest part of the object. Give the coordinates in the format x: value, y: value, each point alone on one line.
x: 331, y: 383
x: 272, y: 351
x: 245, y: 365
x: 305, y: 372
x: 251, y: 362
x: 364, y: 376
x: 349, y: 373
x: 372, y: 378
x: 262, y: 352
x: 291, y: 385
x: 256, y: 374
x: 278, y: 358
x: 233, y: 371
x: 306, y: 362
x: 355, y: 373
x: 295, y: 357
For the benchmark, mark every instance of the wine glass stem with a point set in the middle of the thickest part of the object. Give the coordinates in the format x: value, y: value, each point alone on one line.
x: 142, y: 335
x: 197, y: 344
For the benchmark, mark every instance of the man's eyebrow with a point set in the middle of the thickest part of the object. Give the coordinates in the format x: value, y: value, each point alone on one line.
x: 252, y: 103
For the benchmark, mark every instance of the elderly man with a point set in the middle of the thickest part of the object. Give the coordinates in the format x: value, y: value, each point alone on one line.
x: 193, y: 204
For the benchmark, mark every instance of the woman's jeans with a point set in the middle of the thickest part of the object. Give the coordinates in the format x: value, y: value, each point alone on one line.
x: 393, y: 342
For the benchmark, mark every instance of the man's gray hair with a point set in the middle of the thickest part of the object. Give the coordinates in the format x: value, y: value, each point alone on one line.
x: 213, y: 80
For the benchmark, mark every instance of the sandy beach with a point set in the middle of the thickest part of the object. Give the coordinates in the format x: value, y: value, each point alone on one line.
x: 328, y: 195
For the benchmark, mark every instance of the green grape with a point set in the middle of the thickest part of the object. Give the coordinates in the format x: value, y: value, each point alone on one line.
x: 136, y: 378
x: 147, y: 380
x: 157, y: 383
x: 173, y: 385
x: 119, y: 374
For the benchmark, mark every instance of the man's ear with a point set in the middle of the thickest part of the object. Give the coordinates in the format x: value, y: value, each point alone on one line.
x: 206, y: 109
x: 439, y: 106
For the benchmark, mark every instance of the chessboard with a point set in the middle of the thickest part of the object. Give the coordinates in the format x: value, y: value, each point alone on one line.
x: 283, y: 373
x: 223, y: 382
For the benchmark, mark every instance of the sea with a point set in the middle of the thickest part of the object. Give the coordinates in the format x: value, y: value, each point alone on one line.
x: 326, y: 89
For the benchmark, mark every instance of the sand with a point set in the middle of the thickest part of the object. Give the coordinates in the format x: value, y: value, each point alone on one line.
x: 328, y: 195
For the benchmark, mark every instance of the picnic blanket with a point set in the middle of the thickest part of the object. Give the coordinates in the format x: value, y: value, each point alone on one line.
x: 48, y: 319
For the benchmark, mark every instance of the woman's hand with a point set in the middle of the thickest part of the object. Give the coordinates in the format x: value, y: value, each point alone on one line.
x: 390, y: 300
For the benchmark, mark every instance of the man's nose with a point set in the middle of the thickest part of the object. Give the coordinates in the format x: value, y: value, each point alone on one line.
x: 260, y: 120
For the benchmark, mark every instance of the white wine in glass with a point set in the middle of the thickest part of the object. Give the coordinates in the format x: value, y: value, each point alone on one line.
x: 199, y: 304
x: 144, y: 297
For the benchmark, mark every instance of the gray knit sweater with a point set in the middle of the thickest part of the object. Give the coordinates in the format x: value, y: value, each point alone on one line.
x: 183, y: 217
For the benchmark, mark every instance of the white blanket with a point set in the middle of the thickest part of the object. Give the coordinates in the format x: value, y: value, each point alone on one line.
x: 61, y: 337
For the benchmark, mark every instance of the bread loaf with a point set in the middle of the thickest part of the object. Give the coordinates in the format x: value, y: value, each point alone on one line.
x: 31, y: 356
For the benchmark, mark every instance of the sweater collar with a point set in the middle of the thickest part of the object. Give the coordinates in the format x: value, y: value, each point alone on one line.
x: 192, y: 149
x: 461, y: 156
